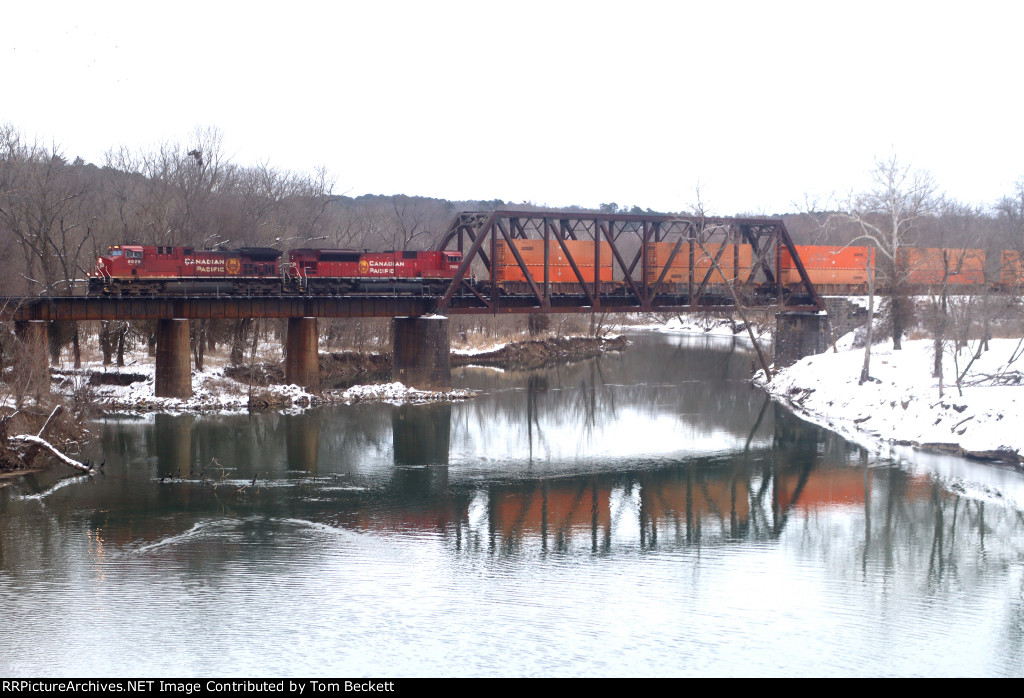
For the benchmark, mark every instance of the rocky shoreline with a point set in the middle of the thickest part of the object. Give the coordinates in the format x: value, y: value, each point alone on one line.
x: 538, y: 353
x: 347, y: 378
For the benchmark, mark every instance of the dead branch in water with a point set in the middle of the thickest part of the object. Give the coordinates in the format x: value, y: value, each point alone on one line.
x: 38, y: 440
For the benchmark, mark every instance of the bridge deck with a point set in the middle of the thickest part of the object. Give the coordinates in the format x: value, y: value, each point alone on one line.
x: 658, y: 263
x: 225, y: 307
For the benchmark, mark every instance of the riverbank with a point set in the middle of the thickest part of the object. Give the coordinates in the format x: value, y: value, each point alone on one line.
x: 537, y: 353
x: 347, y: 377
x: 901, y: 404
x: 214, y: 391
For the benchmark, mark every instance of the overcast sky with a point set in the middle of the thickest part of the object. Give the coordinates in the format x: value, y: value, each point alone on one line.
x: 761, y: 104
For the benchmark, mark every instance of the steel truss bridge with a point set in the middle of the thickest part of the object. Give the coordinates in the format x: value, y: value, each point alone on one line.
x: 639, y: 277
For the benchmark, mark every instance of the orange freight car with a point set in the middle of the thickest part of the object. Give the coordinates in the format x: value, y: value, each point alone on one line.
x: 1011, y: 270
x: 831, y: 269
x: 931, y: 266
x: 735, y: 262
x: 559, y: 269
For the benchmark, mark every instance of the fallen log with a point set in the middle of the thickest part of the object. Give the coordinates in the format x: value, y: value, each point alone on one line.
x: 67, y: 460
x: 38, y: 440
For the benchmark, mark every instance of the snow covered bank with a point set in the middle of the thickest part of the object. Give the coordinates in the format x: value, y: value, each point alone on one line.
x: 222, y: 388
x: 212, y: 391
x: 901, y: 404
x: 714, y: 325
x: 398, y: 393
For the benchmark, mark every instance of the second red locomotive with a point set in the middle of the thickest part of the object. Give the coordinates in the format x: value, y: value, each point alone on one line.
x: 347, y: 271
x: 133, y: 270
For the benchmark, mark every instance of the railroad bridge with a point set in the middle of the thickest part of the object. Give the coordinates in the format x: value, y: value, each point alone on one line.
x: 513, y: 262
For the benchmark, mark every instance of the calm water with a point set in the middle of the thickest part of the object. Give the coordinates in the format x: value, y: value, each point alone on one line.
x: 647, y: 513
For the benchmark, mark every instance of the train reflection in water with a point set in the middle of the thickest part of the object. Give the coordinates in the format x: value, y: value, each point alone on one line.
x: 743, y: 495
x: 600, y: 456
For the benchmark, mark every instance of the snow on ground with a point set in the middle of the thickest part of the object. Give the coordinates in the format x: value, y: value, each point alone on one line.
x: 901, y: 404
x: 398, y: 393
x: 482, y: 349
x: 695, y: 324
x: 212, y: 391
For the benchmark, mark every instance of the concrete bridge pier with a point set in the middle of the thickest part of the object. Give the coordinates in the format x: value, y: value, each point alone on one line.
x: 798, y: 335
x: 302, y: 354
x: 35, y: 355
x: 421, y: 358
x: 173, y: 360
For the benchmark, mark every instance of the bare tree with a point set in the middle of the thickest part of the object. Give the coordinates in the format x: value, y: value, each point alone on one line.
x: 702, y: 232
x: 1010, y: 233
x: 414, y: 219
x: 41, y: 207
x: 886, y: 216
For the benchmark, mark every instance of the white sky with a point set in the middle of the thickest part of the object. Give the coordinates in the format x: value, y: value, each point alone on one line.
x: 556, y: 103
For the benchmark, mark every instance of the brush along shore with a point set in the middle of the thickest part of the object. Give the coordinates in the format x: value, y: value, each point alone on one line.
x: 975, y: 413
x: 346, y: 377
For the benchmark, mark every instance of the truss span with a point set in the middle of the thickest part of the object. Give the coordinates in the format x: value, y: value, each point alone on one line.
x: 531, y: 262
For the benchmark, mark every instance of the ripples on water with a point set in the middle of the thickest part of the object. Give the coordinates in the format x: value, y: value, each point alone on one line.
x: 643, y: 514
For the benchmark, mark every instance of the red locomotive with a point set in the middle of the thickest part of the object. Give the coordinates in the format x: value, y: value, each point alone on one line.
x: 248, y: 271
x: 157, y: 270
x: 348, y: 271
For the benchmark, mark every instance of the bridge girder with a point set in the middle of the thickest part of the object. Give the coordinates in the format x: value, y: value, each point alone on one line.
x: 638, y: 279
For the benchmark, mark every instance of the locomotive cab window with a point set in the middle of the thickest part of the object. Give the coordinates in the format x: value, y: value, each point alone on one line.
x: 339, y: 256
x: 133, y: 254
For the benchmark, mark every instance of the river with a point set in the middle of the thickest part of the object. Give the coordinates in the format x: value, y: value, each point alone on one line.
x: 646, y: 513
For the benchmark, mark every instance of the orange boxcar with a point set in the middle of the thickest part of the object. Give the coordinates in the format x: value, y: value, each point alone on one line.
x: 532, y: 252
x: 929, y: 266
x: 826, y: 265
x: 556, y: 274
x: 735, y: 262
x: 559, y: 269
x: 1011, y: 269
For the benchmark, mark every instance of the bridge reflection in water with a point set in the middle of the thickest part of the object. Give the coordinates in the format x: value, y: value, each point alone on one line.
x: 667, y: 447
x: 649, y: 509
x: 700, y: 501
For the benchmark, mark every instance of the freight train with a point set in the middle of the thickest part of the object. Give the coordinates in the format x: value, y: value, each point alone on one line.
x: 137, y: 270
x: 143, y: 270
x: 844, y: 270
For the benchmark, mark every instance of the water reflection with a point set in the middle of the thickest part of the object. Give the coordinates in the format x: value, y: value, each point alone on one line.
x: 568, y: 490
x: 421, y: 434
x: 752, y: 494
x: 172, y: 440
x: 302, y: 440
